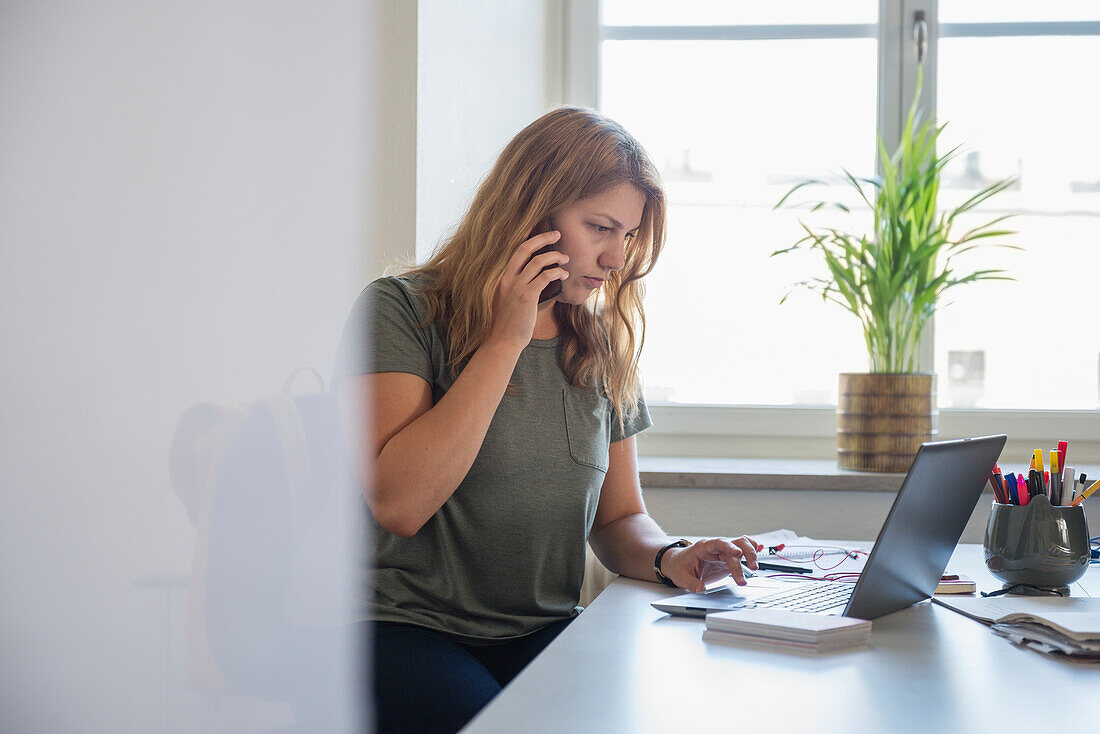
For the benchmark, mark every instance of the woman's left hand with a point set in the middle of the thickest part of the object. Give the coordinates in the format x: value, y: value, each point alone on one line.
x: 692, y: 568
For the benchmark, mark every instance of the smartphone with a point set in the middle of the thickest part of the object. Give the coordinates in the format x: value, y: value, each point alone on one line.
x: 554, y: 289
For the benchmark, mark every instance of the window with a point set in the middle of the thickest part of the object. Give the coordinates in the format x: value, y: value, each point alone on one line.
x: 1032, y: 120
x: 736, y: 102
x: 729, y: 144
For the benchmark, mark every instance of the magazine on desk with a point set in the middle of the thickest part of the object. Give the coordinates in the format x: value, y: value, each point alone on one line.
x: 1068, y: 626
x: 1074, y: 616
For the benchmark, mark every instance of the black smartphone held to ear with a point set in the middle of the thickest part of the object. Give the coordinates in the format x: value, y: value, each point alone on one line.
x: 554, y: 289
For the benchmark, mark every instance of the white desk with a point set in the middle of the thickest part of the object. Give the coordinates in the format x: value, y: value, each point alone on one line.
x: 624, y: 667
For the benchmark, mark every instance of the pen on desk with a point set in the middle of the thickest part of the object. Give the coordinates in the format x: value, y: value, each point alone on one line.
x: 1068, y: 486
x: 1010, y: 490
x: 766, y: 566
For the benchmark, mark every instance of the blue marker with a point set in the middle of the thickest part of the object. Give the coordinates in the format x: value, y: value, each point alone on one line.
x: 1010, y: 483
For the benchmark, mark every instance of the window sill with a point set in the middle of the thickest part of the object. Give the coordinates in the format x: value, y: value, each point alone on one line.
x: 765, y: 474
x: 727, y: 473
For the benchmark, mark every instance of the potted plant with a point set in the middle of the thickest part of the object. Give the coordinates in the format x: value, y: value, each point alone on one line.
x: 891, y: 280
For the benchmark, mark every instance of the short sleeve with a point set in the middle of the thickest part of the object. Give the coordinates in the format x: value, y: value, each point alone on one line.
x: 385, y: 333
x: 632, y: 424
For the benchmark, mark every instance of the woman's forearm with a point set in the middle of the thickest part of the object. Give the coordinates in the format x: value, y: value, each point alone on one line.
x: 420, y: 467
x: 628, y: 545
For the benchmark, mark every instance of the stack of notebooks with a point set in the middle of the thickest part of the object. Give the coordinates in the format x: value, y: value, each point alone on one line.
x: 779, y: 628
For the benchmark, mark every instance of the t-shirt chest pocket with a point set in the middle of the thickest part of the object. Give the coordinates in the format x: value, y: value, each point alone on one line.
x: 587, y: 427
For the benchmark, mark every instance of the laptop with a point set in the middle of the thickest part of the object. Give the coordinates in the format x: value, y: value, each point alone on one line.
x: 912, y: 550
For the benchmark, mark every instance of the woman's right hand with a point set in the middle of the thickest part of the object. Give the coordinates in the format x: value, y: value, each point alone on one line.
x: 516, y: 302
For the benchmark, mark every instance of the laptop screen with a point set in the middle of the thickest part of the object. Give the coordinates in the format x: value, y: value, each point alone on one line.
x: 924, y: 525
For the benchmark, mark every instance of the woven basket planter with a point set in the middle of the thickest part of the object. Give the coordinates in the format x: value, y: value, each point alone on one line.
x: 882, y: 419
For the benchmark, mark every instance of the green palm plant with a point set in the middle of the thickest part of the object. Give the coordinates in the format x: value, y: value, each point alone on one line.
x: 892, y: 279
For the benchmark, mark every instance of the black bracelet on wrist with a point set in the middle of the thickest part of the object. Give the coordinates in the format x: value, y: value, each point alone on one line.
x: 681, y: 543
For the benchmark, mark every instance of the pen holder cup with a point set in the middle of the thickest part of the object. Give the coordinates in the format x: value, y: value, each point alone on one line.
x: 1037, y: 544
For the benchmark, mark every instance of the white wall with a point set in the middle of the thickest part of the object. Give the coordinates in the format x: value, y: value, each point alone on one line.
x: 484, y: 71
x: 836, y: 515
x: 391, y: 48
x: 189, y: 202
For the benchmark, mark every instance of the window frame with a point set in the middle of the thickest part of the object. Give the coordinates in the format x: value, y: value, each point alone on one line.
x: 810, y: 432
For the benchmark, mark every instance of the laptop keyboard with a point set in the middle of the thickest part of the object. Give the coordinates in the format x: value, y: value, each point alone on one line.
x: 809, y: 596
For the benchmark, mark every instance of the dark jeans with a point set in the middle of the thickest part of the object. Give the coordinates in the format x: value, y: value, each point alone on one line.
x: 426, y: 681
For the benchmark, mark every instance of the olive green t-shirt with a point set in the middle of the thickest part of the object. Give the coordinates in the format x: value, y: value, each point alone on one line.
x: 504, y: 556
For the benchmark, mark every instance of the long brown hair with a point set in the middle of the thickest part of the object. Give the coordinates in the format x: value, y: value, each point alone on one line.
x: 566, y: 155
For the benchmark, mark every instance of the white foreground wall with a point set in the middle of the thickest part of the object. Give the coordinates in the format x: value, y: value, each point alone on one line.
x: 186, y: 194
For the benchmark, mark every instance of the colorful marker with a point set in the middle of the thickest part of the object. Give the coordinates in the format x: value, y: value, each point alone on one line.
x: 1054, y: 484
x: 1039, y: 466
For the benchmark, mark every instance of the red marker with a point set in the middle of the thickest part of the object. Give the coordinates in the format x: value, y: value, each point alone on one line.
x: 1062, y: 447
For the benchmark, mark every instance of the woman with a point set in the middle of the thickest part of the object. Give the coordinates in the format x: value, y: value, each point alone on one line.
x: 497, y: 432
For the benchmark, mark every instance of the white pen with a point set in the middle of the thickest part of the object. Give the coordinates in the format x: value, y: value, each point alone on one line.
x: 1069, y: 486
x: 1078, y: 486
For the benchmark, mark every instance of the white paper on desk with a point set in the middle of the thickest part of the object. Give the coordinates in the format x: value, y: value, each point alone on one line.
x: 801, y: 549
x: 1041, y: 642
x: 834, y: 560
x: 716, y: 579
x: 1041, y: 634
x: 775, y: 537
